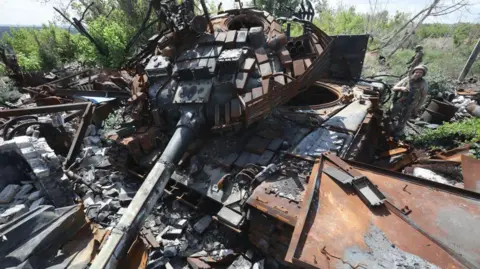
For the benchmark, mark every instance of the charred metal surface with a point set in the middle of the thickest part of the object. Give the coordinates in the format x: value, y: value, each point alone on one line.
x: 77, y: 140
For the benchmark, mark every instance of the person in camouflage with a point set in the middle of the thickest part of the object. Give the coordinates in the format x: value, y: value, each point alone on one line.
x: 413, y: 91
x: 416, y: 59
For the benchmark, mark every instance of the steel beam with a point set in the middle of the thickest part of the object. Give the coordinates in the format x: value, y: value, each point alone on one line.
x: 42, y: 109
x: 80, y: 134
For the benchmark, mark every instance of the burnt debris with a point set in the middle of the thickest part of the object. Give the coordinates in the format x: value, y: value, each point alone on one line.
x: 227, y: 143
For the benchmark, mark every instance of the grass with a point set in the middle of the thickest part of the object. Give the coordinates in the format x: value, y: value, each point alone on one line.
x: 443, y: 59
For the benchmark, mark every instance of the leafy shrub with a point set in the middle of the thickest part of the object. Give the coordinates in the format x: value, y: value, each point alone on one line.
x: 449, y: 135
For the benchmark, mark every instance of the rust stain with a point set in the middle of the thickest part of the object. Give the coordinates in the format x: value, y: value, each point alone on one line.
x: 471, y: 173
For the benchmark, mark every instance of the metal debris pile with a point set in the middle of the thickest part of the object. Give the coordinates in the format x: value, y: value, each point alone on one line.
x: 230, y: 145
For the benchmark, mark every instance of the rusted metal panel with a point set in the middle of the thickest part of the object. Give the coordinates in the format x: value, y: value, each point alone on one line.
x: 393, y: 152
x: 310, y: 193
x: 272, y: 205
x: 471, y: 173
x: 454, y: 155
x: 372, y: 233
x: 436, y: 209
x: 405, y: 161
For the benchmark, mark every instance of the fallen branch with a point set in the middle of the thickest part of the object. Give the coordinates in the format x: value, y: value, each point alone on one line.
x: 142, y: 28
x: 78, y: 25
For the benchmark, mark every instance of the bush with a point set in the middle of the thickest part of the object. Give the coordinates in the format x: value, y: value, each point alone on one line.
x: 8, y: 92
x: 450, y: 135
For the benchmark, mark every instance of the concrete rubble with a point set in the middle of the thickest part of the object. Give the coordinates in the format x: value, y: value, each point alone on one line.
x: 169, y: 176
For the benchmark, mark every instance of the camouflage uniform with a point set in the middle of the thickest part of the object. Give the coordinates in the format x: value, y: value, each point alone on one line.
x: 416, y: 60
x: 408, y: 103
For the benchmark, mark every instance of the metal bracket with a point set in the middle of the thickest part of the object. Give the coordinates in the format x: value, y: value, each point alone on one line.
x: 365, y: 189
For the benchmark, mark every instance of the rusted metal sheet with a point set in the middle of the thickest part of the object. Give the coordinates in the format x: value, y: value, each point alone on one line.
x: 405, y: 161
x: 393, y: 152
x: 343, y: 230
x: 436, y: 209
x: 137, y: 256
x: 454, y: 155
x: 279, y: 208
x: 471, y: 173
x: 311, y: 192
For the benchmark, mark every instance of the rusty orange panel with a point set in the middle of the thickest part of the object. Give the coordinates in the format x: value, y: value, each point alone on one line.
x: 454, y: 155
x: 343, y: 230
x: 277, y: 207
x: 471, y: 173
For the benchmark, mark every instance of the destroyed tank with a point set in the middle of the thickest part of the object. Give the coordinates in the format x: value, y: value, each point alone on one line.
x: 223, y: 73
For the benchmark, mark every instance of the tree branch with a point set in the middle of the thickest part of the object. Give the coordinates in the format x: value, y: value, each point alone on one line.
x: 78, y: 25
x: 142, y: 27
x: 386, y: 43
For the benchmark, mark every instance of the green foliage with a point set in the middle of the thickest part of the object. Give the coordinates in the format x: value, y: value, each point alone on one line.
x: 342, y: 21
x: 475, y: 150
x: 41, y: 49
x: 8, y: 92
x: 111, y: 22
x: 112, y: 35
x: 466, y: 33
x: 449, y: 135
x: 279, y: 8
x: 434, y: 30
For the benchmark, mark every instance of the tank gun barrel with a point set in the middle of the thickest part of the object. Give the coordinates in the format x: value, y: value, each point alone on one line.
x: 152, y: 188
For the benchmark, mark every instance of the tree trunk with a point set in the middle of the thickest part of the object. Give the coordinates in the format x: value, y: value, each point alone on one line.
x: 470, y: 61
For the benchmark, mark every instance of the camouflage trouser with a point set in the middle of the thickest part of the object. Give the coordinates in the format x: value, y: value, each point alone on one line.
x: 399, y: 115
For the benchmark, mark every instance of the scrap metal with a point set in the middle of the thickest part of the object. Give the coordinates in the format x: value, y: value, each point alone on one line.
x: 223, y: 74
x: 471, y: 173
x: 42, y: 109
x: 405, y: 219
